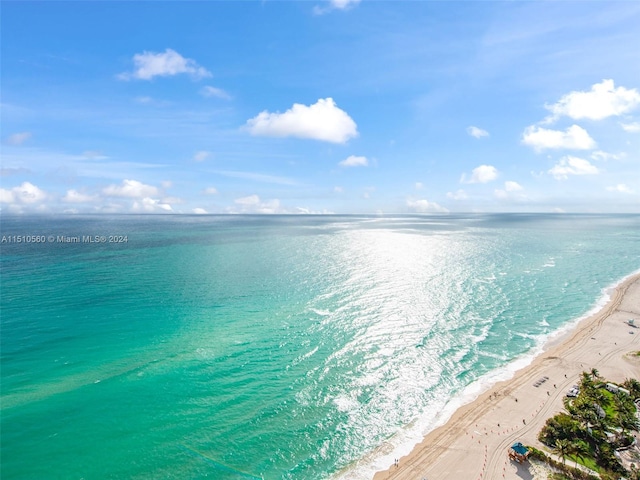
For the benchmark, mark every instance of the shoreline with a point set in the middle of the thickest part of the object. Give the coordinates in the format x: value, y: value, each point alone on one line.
x: 515, y: 409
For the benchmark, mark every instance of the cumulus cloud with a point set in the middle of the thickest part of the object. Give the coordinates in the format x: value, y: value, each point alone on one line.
x: 354, y: 161
x: 211, y: 191
x: 199, y: 211
x: 457, y: 195
x: 574, y: 137
x: 511, y: 186
x: 631, y: 127
x: 73, y: 196
x: 481, y: 174
x: 18, y: 138
x: 250, y: 200
x: 477, y: 132
x: 27, y: 193
x: 570, y: 165
x: 201, y: 155
x: 213, y: 92
x: 602, y: 101
x: 150, y: 205
x: 131, y: 189
x: 172, y: 200
x: 501, y: 194
x: 253, y: 204
x: 338, y: 189
x: 166, y: 64
x: 510, y: 191
x: 320, y: 121
x: 621, y: 188
x: 425, y: 206
x: 6, y: 196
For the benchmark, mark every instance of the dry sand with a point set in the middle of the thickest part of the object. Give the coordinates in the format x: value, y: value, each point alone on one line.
x: 473, y: 444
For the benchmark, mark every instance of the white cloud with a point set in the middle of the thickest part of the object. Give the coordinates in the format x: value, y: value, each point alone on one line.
x: 169, y: 63
x: 604, y: 156
x: 253, y: 204
x: 511, y: 186
x: 501, y: 194
x: 320, y: 121
x: 73, y: 196
x: 209, y: 92
x: 622, y: 188
x: 631, y: 127
x: 27, y: 193
x: 602, y: 101
x: 6, y: 196
x: 172, y: 200
x: 150, y: 205
x: 419, y: 186
x: 481, y: 174
x: 342, y: 4
x: 199, y: 211
x: 132, y: 189
x: 335, y: 5
x: 425, y: 206
x: 574, y: 137
x: 477, y: 132
x: 201, y: 155
x: 338, y: 189
x: 354, y: 161
x: 457, y: 195
x: 211, y: 191
x: 247, y: 201
x: 570, y: 165
x: 18, y: 138
x: 509, y: 192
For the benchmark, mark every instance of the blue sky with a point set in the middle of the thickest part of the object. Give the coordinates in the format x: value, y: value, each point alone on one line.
x: 320, y: 107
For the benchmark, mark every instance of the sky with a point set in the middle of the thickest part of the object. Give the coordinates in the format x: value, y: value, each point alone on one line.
x: 327, y: 106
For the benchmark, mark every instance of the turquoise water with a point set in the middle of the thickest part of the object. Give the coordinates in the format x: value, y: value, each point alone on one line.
x: 240, y: 347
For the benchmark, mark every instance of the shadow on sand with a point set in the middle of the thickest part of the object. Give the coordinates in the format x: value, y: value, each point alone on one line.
x: 523, y: 470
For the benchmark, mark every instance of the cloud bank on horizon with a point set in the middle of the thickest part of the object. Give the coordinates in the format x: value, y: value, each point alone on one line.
x: 345, y: 107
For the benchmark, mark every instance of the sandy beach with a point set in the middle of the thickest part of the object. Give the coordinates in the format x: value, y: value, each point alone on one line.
x: 473, y: 443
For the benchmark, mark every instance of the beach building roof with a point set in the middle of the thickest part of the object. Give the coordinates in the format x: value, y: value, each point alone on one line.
x: 518, y: 452
x: 519, y: 448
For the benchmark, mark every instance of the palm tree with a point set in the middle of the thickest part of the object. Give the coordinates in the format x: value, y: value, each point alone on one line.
x: 633, y: 386
x: 562, y: 448
x: 595, y: 374
x: 586, y: 384
x: 578, y: 449
x: 628, y: 421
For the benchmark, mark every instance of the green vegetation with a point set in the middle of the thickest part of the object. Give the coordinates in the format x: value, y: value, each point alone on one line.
x: 565, y: 472
x: 633, y: 386
x: 593, y: 425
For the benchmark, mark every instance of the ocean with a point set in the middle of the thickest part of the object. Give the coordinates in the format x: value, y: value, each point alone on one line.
x: 274, y: 347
